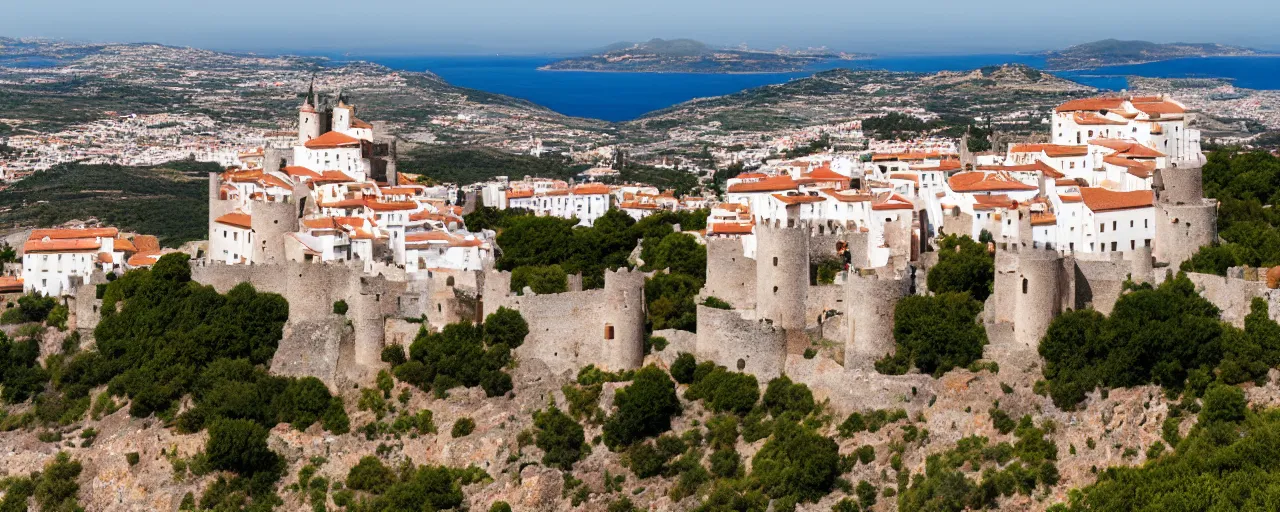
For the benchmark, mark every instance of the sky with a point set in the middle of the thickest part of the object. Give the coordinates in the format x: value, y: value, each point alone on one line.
x: 568, y: 26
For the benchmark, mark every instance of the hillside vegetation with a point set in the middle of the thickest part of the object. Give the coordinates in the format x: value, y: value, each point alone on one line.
x: 168, y: 200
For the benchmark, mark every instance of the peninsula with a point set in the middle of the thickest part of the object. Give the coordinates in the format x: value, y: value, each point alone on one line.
x: 689, y: 56
x: 1114, y: 52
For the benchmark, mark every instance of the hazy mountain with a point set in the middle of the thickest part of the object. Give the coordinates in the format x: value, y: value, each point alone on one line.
x: 1114, y: 52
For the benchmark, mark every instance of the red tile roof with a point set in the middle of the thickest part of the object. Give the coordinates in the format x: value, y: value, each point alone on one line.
x: 986, y: 182
x: 1103, y: 200
x: 237, y: 218
x: 296, y: 171
x: 60, y: 245
x: 1091, y: 104
x: 64, y: 233
x: 1052, y: 150
x: 729, y: 228
x: 332, y: 140
x: 1091, y: 119
x: 770, y: 184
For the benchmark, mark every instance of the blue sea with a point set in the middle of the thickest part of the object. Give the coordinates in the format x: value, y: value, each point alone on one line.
x: 624, y: 96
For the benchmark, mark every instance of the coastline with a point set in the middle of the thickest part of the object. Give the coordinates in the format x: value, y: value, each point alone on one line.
x: 544, y: 68
x: 1138, y: 63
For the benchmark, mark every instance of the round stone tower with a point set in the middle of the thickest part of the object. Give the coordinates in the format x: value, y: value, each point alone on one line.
x: 870, y: 302
x: 1182, y: 229
x: 782, y: 274
x: 1037, y: 299
x: 623, y: 333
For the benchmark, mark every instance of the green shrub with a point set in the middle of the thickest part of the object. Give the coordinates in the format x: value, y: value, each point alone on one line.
x: 462, y: 427
x: 560, y: 438
x: 725, y: 391
x: 682, y: 368
x: 645, y: 460
x: 340, y: 307
x: 541, y: 279
x: 716, y: 302
x: 500, y: 506
x: 722, y: 431
x: 964, y: 266
x: 240, y: 446
x: 132, y: 458
x: 796, y: 462
x: 935, y: 333
x: 394, y: 355
x: 506, y: 327
x: 370, y: 475
x: 783, y: 396
x: 725, y: 463
x: 644, y: 408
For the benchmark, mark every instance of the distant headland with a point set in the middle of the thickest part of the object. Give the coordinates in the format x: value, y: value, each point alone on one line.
x: 689, y: 56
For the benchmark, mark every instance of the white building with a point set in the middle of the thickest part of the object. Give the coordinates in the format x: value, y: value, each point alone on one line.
x: 54, y: 261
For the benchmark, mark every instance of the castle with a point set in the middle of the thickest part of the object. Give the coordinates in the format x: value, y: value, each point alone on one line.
x: 324, y: 236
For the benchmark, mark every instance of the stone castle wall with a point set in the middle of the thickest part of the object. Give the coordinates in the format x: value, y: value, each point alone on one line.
x: 751, y: 346
x: 731, y: 276
x: 568, y: 330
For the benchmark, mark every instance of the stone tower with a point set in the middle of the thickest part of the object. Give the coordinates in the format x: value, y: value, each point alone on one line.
x: 623, y: 332
x: 272, y: 223
x: 1185, y: 220
x: 870, y: 301
x: 1027, y: 292
x: 309, y: 120
x: 782, y: 275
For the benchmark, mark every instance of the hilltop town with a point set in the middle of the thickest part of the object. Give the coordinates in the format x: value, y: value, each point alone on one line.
x: 866, y: 314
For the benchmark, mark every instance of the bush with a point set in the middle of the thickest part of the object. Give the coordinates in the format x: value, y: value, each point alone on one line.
x: 56, y: 487
x: 370, y: 475
x: 935, y: 333
x: 340, y: 307
x: 722, y: 431
x: 457, y: 355
x: 496, y: 383
x: 505, y: 326
x: 240, y: 446
x: 964, y: 266
x: 540, y: 279
x: 725, y: 463
x: 644, y: 408
x: 1223, y: 404
x: 394, y: 355
x: 132, y: 458
x: 725, y: 391
x: 796, y: 462
x: 560, y: 438
x: 645, y: 460
x: 670, y: 301
x: 500, y: 506
x: 783, y: 396
x: 462, y: 427
x: 716, y: 302
x: 1163, y: 335
x: 682, y: 368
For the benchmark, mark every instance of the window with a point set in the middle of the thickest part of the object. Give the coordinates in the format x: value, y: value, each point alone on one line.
x: 775, y: 263
x: 1144, y: 223
x: 1113, y: 225
x: 1133, y: 244
x: 1113, y: 246
x: 1024, y: 286
x: 1102, y: 227
x: 608, y: 332
x: 1130, y: 223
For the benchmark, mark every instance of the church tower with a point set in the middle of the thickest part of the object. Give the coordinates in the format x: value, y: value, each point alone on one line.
x: 308, y: 119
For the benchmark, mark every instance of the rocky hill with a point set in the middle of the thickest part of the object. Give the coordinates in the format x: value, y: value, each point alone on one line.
x: 841, y: 94
x: 1114, y: 52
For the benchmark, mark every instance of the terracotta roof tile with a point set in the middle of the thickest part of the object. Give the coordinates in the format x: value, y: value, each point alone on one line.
x: 332, y: 140
x: 1091, y: 104
x: 770, y: 184
x: 237, y: 218
x: 64, y: 233
x: 1103, y: 200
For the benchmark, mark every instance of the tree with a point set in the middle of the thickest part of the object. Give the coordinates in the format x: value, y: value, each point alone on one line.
x: 725, y: 391
x: 680, y: 253
x: 682, y: 368
x: 796, y: 462
x: 935, y: 333
x: 963, y: 266
x: 240, y: 446
x: 370, y: 475
x: 540, y: 279
x: 670, y: 301
x: 56, y: 487
x: 560, y: 438
x: 644, y: 408
x: 505, y: 326
x: 783, y: 396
